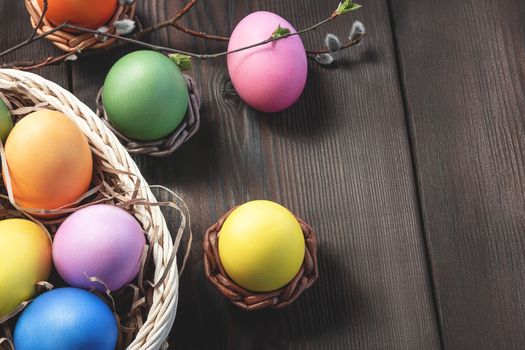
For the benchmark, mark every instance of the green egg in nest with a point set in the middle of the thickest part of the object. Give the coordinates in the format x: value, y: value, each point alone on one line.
x: 145, y: 95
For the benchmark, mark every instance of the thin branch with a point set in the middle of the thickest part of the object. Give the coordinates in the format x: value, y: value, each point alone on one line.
x: 272, y: 39
x: 200, y: 34
x: 184, y: 10
x: 33, y: 37
x: 130, y: 40
x: 192, y: 54
x: 173, y: 22
x: 33, y: 65
x: 40, y: 20
x: 170, y: 22
x: 344, y: 47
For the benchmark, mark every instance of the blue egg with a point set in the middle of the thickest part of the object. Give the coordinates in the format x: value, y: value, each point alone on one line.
x: 66, y: 319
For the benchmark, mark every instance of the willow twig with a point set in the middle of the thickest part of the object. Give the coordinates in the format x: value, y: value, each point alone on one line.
x: 32, y: 65
x: 40, y: 21
x: 348, y: 45
x: 193, y: 54
x: 200, y: 34
x: 33, y: 37
x: 172, y: 22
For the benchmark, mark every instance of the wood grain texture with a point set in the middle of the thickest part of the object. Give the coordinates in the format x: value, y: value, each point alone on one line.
x: 463, y: 68
x: 15, y: 28
x: 339, y: 158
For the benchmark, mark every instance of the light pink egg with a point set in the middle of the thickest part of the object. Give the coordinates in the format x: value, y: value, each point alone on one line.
x: 270, y: 77
x: 100, y: 241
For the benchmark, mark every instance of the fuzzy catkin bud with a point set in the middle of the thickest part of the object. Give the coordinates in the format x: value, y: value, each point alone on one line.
x: 357, y: 31
x: 324, y: 59
x: 124, y: 26
x: 332, y: 42
x: 102, y: 29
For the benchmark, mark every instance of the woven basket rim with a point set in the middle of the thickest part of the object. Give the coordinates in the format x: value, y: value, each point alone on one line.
x: 160, y: 317
x: 249, y: 300
x: 167, y: 145
x: 76, y: 42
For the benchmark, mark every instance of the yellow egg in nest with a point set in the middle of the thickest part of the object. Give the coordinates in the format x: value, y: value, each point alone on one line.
x: 261, y: 246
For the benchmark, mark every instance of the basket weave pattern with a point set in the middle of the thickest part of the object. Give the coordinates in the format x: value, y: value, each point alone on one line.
x: 30, y: 90
x: 166, y: 146
x: 249, y: 300
x: 68, y: 41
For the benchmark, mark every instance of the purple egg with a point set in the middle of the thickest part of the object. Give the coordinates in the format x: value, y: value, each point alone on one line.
x: 269, y: 77
x: 100, y: 241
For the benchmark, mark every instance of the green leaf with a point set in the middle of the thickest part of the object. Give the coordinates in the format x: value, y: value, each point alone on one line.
x: 182, y: 61
x: 346, y: 6
x: 280, y: 32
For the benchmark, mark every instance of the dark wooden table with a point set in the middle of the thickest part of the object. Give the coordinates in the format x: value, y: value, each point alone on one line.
x: 408, y: 158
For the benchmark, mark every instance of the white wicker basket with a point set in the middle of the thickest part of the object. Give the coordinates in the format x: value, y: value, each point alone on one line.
x: 111, y: 154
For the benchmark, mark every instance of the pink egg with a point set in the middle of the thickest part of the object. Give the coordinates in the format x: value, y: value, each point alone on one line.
x: 100, y: 241
x: 270, y: 77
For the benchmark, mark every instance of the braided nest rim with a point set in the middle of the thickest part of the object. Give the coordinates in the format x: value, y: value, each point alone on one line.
x: 169, y: 144
x: 248, y: 300
x: 152, y: 315
x: 68, y: 41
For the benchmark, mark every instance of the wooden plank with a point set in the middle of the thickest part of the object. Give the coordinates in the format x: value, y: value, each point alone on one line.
x: 462, y: 68
x: 339, y: 158
x: 16, y: 28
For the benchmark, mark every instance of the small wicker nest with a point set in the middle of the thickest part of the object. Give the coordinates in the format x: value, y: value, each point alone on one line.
x: 165, y: 146
x: 249, y: 300
x: 68, y: 41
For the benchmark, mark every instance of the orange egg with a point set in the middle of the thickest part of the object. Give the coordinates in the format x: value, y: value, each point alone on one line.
x: 49, y: 160
x: 83, y: 13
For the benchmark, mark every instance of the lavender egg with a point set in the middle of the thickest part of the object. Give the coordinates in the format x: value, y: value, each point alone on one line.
x: 270, y: 77
x: 99, y: 246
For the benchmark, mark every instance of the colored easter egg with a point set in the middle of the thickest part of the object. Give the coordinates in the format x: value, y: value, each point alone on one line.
x: 102, y: 242
x: 25, y: 259
x: 269, y: 77
x: 49, y: 159
x: 261, y: 246
x: 66, y: 319
x: 6, y: 123
x: 145, y: 95
x: 90, y: 14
